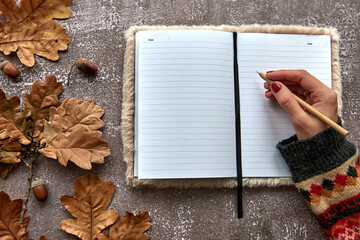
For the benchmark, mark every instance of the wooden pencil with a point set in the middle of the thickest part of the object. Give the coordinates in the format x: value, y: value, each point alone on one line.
x: 312, y: 110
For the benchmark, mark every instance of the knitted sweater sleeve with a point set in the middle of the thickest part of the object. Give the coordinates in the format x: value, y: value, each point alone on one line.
x: 326, y: 171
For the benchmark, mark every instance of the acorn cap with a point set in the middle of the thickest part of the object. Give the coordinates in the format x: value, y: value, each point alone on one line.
x: 37, y: 182
x: 3, y: 63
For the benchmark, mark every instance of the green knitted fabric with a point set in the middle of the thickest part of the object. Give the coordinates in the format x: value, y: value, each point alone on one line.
x: 316, y: 155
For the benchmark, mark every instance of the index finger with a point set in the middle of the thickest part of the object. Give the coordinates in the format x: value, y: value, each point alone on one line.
x: 300, y: 77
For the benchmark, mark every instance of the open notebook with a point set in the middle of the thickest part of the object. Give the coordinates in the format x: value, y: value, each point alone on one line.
x: 185, y: 101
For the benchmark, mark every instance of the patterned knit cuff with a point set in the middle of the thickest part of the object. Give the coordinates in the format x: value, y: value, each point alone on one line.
x: 315, y: 155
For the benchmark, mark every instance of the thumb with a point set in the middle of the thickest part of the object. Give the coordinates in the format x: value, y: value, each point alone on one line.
x: 287, y: 101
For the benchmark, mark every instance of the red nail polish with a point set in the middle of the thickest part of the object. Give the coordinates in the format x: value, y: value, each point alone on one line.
x: 269, y: 72
x: 275, y: 86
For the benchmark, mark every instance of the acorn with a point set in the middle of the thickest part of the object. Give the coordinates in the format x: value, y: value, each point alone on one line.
x: 9, y: 69
x: 39, y: 189
x: 86, y: 66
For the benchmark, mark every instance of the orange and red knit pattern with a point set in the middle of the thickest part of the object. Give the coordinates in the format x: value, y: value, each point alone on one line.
x: 345, y: 228
x: 339, y: 219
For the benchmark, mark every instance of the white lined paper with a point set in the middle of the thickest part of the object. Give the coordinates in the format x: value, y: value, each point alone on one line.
x: 185, y: 125
x: 264, y: 123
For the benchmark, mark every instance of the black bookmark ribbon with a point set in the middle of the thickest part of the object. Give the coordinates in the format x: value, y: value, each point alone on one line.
x: 237, y: 129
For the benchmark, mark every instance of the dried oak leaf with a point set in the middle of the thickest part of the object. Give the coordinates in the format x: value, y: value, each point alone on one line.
x: 90, y: 208
x: 41, y: 10
x: 14, y: 146
x: 71, y: 134
x: 30, y: 29
x: 10, y: 226
x: 10, y: 155
x: 44, y: 40
x: 73, y: 112
x: 43, y: 96
x: 13, y: 123
x: 131, y: 227
x: 9, y: 130
x: 14, y: 129
x: 5, y: 169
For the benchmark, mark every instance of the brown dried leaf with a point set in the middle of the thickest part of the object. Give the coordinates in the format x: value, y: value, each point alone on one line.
x: 9, y: 130
x: 43, y: 96
x: 10, y: 226
x: 9, y: 157
x: 13, y: 123
x: 73, y: 112
x: 103, y: 236
x: 2, y: 24
x: 71, y: 134
x: 30, y: 29
x: 43, y: 238
x: 80, y: 147
x: 9, y: 107
x: 14, y: 146
x: 44, y: 40
x: 90, y: 208
x: 42, y: 11
x: 5, y: 169
x: 14, y: 129
x: 131, y: 227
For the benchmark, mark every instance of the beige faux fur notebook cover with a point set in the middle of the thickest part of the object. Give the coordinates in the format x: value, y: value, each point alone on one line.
x: 127, y: 115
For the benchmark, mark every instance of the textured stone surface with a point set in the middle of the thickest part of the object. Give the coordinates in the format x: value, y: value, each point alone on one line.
x: 96, y: 28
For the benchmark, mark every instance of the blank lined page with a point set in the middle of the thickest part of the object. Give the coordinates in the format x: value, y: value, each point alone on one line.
x: 184, y: 123
x: 264, y: 123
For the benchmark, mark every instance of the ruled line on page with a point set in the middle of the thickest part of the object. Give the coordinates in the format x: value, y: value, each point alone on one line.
x: 186, y: 48
x: 267, y: 59
x: 184, y: 110
x: 195, y: 127
x: 177, y: 151
x: 287, y: 51
x: 182, y: 121
x: 186, y: 114
x: 188, y: 64
x: 184, y: 69
x: 184, y: 75
x: 185, y: 98
x: 192, y: 87
x: 223, y: 59
x: 187, y: 139
x: 181, y: 52
x: 181, y: 75
x: 282, y: 45
x: 185, y: 92
x: 189, y: 41
x: 176, y: 104
x: 177, y: 168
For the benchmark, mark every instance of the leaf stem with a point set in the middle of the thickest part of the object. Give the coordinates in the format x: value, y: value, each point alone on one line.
x: 68, y: 79
x: 25, y: 163
x: 29, y: 181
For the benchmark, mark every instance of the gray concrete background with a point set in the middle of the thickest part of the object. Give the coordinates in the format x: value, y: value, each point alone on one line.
x: 96, y: 28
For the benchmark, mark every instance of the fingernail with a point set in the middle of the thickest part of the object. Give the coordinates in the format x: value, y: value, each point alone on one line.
x: 275, y: 86
x: 269, y: 72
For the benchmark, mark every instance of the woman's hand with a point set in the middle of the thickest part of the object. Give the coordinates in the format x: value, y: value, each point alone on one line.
x: 310, y: 89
